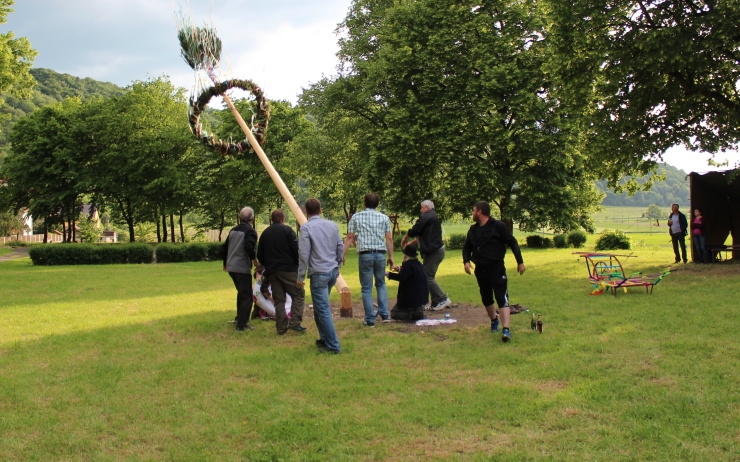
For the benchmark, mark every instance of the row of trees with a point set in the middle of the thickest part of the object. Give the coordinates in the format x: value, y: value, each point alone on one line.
x: 523, y: 103
x: 134, y: 157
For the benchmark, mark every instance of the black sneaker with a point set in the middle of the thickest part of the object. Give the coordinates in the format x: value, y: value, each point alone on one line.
x: 298, y: 328
x: 243, y: 328
x: 368, y: 324
x: 324, y: 349
x: 506, y: 335
x: 320, y: 342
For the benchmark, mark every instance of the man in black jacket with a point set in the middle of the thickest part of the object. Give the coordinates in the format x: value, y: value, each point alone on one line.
x: 413, y: 292
x: 677, y: 226
x: 278, y: 252
x: 238, y: 255
x: 486, y: 247
x: 428, y: 232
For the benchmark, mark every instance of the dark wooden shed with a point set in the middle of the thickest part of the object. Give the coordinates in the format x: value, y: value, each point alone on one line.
x: 717, y: 195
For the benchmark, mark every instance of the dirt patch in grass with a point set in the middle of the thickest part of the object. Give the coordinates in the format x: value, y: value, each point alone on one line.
x: 465, y: 315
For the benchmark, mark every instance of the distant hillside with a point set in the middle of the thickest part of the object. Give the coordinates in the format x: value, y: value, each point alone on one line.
x: 675, y: 188
x: 50, y: 88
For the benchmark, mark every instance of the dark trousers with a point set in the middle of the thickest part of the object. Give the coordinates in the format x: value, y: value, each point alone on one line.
x: 244, y: 300
x: 285, y: 282
x: 493, y: 284
x: 679, y: 239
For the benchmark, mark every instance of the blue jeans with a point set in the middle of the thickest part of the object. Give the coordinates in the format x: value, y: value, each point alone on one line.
x: 372, y: 265
x: 321, y: 284
x: 701, y: 254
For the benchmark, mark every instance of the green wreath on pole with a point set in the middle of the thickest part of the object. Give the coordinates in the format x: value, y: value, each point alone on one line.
x: 260, y: 119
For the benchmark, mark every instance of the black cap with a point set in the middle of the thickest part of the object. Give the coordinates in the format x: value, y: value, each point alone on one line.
x: 410, y: 251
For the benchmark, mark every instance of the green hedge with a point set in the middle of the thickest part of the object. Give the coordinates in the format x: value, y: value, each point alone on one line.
x: 90, y: 254
x: 198, y: 251
x: 455, y: 241
x: 536, y: 241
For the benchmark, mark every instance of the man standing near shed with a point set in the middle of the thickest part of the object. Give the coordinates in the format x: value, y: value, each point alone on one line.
x: 278, y: 252
x: 372, y: 231
x: 677, y: 226
x: 486, y: 247
x: 428, y: 231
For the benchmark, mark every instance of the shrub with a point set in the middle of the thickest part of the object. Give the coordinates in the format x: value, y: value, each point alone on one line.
x: 90, y: 254
x: 536, y: 241
x: 560, y: 241
x: 611, y: 240
x: 455, y: 241
x: 213, y: 251
x: 397, y: 240
x: 576, y: 239
x: 174, y: 253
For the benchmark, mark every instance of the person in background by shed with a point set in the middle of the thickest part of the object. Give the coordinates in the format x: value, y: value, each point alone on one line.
x: 678, y: 226
x: 699, y: 239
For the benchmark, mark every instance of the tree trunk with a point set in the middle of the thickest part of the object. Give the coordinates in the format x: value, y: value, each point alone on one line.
x: 73, y: 225
x: 172, y: 227
x: 131, y: 237
x: 64, y: 231
x: 164, y: 228
x: 182, y: 230
x: 46, y: 231
x: 159, y: 227
x: 221, y: 226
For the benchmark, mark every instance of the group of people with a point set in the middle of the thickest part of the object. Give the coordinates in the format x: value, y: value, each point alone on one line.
x: 678, y: 227
x: 319, y: 253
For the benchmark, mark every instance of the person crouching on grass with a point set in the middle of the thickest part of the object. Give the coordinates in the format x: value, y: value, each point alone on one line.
x: 413, y: 290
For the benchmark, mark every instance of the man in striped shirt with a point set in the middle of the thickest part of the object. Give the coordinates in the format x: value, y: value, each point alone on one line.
x: 371, y: 232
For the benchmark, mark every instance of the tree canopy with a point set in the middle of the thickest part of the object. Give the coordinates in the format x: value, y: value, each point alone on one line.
x: 16, y: 58
x: 648, y: 75
x: 455, y: 106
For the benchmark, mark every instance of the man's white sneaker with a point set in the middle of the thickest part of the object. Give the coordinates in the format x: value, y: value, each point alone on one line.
x: 443, y: 304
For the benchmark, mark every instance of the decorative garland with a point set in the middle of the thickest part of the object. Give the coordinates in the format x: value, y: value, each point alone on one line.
x: 261, y: 118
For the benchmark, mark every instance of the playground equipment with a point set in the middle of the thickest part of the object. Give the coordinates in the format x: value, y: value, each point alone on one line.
x: 606, y: 273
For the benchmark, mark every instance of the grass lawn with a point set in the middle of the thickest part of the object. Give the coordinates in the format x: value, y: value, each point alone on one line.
x: 137, y: 363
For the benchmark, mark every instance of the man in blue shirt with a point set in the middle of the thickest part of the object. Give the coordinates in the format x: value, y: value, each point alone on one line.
x: 320, y: 252
x: 371, y: 232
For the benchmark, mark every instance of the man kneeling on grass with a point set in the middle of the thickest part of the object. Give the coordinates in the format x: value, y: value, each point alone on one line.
x: 413, y: 290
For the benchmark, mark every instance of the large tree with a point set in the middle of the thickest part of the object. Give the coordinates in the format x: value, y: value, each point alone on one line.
x: 16, y: 58
x: 141, y: 149
x: 648, y: 75
x: 45, y: 168
x: 458, y: 109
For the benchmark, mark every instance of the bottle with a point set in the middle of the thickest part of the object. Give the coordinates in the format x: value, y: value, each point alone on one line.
x: 539, y: 323
x: 533, y: 324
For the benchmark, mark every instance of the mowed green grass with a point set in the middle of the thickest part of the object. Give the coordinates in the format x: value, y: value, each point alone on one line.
x: 138, y: 363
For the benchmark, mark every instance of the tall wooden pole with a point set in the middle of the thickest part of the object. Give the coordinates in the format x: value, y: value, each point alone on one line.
x: 284, y: 191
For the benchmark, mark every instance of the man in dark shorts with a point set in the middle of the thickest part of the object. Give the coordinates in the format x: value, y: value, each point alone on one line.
x: 486, y: 247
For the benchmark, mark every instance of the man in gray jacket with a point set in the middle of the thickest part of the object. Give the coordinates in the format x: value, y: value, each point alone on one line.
x: 320, y: 253
x: 238, y: 255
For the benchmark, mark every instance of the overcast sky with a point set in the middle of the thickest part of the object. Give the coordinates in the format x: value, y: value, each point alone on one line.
x: 282, y: 45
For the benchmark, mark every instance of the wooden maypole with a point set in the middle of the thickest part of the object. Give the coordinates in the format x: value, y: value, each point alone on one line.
x: 201, y: 49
